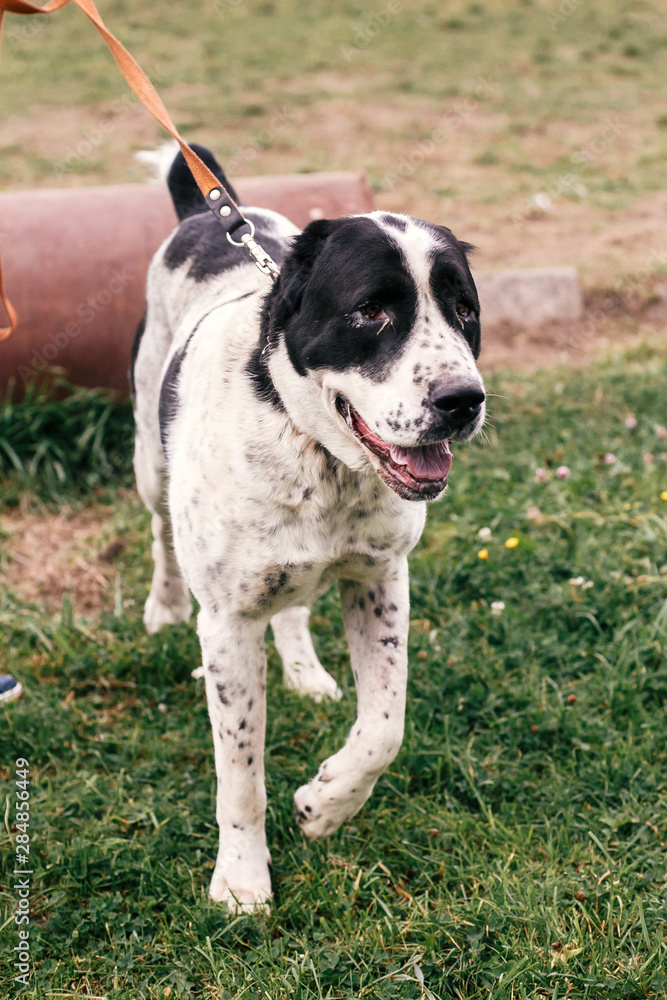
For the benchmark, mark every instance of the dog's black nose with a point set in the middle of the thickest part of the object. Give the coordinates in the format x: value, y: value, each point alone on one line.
x: 459, y: 403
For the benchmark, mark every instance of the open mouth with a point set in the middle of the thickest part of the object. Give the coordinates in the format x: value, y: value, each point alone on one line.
x: 418, y: 473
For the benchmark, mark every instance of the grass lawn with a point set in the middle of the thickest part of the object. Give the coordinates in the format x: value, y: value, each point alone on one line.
x: 516, y: 848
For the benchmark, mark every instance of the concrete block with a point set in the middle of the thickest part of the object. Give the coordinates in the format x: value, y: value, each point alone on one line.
x: 530, y: 297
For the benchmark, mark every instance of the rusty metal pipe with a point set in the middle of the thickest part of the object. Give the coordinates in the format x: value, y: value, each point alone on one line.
x: 75, y: 264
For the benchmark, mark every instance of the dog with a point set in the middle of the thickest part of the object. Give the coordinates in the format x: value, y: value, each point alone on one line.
x: 289, y: 435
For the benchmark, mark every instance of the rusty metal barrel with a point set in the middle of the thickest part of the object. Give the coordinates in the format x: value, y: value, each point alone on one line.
x: 75, y: 263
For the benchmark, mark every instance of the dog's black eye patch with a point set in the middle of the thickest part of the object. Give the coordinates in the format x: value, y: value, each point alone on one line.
x: 454, y: 290
x: 357, y: 284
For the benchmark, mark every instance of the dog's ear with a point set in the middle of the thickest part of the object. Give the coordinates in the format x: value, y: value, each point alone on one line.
x: 298, y: 265
x: 451, y: 240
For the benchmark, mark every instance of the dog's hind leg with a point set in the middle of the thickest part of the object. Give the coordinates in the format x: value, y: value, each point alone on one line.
x: 302, y: 670
x: 376, y: 621
x: 169, y: 598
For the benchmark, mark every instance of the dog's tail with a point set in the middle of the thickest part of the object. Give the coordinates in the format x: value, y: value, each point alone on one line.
x: 188, y: 199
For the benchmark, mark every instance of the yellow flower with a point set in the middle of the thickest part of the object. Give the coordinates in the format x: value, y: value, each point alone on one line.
x: 483, y: 553
x: 663, y: 495
x: 511, y: 543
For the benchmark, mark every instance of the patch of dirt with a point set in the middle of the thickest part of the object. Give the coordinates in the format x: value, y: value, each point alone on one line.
x: 530, y: 350
x: 49, y: 555
x: 610, y: 322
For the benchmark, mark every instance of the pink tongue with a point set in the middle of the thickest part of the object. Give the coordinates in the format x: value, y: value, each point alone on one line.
x: 429, y: 461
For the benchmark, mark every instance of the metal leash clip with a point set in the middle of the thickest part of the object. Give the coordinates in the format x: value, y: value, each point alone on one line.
x: 262, y: 260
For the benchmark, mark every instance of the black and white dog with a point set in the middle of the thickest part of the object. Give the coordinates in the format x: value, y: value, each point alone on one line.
x: 288, y: 436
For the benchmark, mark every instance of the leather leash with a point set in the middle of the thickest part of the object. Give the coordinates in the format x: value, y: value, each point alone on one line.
x: 216, y: 196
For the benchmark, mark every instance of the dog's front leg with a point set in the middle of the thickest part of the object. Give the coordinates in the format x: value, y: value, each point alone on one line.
x: 376, y: 620
x: 234, y: 662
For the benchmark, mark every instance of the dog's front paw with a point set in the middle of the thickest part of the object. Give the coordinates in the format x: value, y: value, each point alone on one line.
x: 241, y: 877
x: 323, y: 804
x: 157, y: 614
x: 245, y: 897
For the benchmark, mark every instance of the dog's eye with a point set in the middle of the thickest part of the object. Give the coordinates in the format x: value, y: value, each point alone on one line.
x: 464, y: 311
x: 372, y: 311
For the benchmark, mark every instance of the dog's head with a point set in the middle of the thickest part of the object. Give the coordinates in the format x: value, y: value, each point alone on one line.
x: 372, y: 331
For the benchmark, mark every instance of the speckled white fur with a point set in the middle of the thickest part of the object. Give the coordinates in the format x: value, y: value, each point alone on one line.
x: 253, y: 517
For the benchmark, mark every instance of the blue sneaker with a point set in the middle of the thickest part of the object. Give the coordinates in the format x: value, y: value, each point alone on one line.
x: 9, y: 688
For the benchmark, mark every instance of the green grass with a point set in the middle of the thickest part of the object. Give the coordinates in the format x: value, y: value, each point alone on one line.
x: 515, y: 849
x: 54, y: 449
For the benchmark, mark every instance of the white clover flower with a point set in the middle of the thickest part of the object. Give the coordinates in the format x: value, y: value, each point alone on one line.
x: 541, y: 475
x: 609, y: 458
x: 631, y: 422
x: 580, y: 581
x: 497, y: 607
x: 484, y: 534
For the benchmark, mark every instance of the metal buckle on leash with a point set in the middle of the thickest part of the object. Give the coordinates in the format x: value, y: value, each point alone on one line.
x: 262, y: 260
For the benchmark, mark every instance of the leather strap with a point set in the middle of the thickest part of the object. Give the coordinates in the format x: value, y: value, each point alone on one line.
x: 5, y: 331
x: 222, y: 204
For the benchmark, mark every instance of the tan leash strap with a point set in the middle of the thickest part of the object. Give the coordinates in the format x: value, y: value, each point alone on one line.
x: 222, y: 204
x: 5, y: 331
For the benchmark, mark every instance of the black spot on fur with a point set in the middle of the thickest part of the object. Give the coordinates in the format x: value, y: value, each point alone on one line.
x: 396, y: 223
x: 136, y: 344
x: 202, y: 241
x: 168, y: 404
x: 242, y: 724
x: 274, y: 583
x: 377, y: 612
x: 389, y: 640
x: 250, y: 760
x: 222, y: 693
x: 260, y: 377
